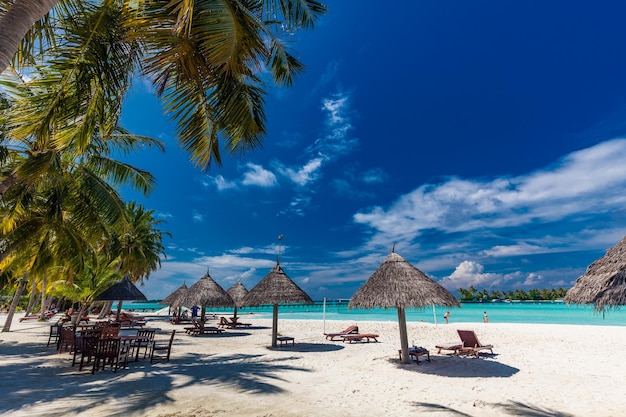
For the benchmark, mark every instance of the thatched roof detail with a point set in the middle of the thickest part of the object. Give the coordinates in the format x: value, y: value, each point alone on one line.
x: 397, y: 283
x: 237, y: 292
x: 124, y: 290
x: 172, y: 300
x: 206, y: 292
x: 276, y: 288
x: 604, y: 282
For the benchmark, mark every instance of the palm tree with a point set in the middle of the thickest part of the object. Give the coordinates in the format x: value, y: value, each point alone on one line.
x: 204, y: 58
x: 137, y: 244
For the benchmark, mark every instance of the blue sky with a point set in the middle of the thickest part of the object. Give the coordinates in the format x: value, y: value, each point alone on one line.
x: 485, y: 139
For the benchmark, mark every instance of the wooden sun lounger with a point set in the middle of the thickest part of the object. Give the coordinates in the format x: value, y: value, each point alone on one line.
x: 360, y: 337
x: 453, y: 346
x: 206, y: 330
x: 349, y: 330
x: 471, y: 344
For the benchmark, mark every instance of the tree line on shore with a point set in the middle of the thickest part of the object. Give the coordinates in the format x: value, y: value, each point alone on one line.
x: 473, y: 294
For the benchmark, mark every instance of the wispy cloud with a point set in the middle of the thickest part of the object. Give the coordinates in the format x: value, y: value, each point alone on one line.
x: 197, y: 217
x: 305, y: 174
x: 584, y: 182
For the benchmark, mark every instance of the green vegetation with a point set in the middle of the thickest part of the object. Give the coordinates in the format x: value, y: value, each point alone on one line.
x: 474, y: 295
x: 65, y: 231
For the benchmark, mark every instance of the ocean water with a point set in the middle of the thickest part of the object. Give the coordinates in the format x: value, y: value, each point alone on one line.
x: 515, y: 312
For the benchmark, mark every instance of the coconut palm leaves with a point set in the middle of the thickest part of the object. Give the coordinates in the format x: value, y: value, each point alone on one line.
x: 205, y: 58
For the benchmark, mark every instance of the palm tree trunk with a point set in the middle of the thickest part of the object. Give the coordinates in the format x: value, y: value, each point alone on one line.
x: 32, y: 298
x: 106, y: 309
x: 42, y: 311
x: 15, y: 302
x: 16, y: 22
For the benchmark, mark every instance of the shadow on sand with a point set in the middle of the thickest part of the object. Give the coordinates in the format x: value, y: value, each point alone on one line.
x: 38, y: 377
x: 511, y: 408
x: 307, y: 347
x: 460, y: 367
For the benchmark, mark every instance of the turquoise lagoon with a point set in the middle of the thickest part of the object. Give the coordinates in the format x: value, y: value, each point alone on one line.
x: 499, y: 312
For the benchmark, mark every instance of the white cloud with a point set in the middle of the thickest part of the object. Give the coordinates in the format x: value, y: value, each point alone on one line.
x: 223, y: 184
x: 259, y: 176
x: 588, y: 181
x: 163, y: 215
x: 304, y: 175
x: 469, y: 273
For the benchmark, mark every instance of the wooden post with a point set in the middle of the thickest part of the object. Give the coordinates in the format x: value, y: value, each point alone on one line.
x: 275, y: 325
x: 404, y: 340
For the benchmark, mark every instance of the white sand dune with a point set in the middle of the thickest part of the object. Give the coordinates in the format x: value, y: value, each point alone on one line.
x: 537, y: 370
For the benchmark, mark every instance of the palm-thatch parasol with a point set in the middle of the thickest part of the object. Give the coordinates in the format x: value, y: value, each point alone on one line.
x: 237, y: 292
x: 206, y: 292
x: 604, y: 282
x: 397, y: 283
x: 173, y: 300
x: 123, y: 290
x: 276, y: 288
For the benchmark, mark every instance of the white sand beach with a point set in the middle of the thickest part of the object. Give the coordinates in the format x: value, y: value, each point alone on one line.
x: 537, y: 370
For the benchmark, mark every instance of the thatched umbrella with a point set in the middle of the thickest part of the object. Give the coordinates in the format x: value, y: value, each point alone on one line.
x: 206, y: 292
x: 604, y: 282
x: 397, y: 283
x: 237, y: 292
x: 276, y: 288
x: 173, y: 300
x: 123, y: 290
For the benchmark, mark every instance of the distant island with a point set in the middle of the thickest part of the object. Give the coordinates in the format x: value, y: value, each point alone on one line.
x: 472, y: 294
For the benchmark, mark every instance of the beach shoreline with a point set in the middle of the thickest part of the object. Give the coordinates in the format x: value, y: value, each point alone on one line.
x: 565, y: 370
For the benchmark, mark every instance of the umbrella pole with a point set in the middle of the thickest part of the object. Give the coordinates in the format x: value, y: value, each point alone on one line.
x: 275, y: 325
x: 404, y: 340
x: 324, y: 315
x: 119, y: 310
x: 235, y: 314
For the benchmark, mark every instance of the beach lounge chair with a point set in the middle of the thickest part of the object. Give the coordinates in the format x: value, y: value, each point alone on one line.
x: 360, y: 337
x: 224, y: 322
x: 470, y: 343
x: 453, y: 346
x: 349, y: 330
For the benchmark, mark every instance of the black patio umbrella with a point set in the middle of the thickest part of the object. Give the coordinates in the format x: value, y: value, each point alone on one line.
x: 276, y: 288
x: 124, y: 290
x: 397, y: 283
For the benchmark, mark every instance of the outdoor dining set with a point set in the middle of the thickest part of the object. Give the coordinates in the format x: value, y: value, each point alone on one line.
x: 105, y: 343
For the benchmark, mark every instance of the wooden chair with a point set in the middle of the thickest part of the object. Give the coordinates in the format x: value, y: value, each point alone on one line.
x: 107, y: 353
x: 146, y: 342
x: 55, y: 334
x: 85, y: 345
x: 67, y: 340
x: 162, y: 350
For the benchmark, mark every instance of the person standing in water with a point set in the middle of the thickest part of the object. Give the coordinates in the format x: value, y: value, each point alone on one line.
x: 485, y: 317
x: 446, y: 315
